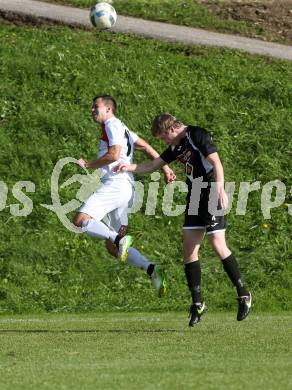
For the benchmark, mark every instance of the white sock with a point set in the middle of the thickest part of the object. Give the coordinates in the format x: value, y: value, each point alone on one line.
x: 137, y: 260
x: 98, y: 229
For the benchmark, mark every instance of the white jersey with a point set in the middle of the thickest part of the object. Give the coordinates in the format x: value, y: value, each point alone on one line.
x: 115, y: 132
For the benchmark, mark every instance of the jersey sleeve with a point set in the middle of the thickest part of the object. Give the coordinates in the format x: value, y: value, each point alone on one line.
x: 114, y: 134
x: 168, y: 155
x: 203, y: 141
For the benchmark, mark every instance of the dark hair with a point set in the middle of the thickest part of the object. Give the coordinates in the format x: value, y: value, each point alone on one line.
x: 108, y: 101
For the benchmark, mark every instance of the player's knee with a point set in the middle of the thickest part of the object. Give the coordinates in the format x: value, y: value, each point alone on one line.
x: 79, y: 219
x: 220, y: 248
x: 191, y: 253
x: 216, y: 246
x: 76, y: 221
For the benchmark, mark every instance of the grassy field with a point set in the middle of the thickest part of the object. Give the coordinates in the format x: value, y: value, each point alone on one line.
x: 48, y: 78
x: 182, y: 12
x: 146, y: 351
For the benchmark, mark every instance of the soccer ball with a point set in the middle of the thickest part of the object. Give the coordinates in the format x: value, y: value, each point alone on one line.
x: 103, y: 15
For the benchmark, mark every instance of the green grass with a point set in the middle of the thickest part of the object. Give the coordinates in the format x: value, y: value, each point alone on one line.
x: 48, y: 78
x: 146, y: 351
x: 181, y: 12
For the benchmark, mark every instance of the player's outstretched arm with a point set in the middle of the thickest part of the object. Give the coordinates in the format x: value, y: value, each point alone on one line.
x: 147, y: 166
x: 141, y: 144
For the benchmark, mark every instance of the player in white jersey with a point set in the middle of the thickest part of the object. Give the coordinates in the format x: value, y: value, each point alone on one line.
x: 104, y: 214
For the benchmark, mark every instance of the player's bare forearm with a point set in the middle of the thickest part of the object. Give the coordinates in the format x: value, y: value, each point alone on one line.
x: 218, y: 168
x: 219, y: 178
x: 147, y: 166
x: 141, y: 144
x: 101, y: 162
x: 219, y: 175
x: 112, y: 155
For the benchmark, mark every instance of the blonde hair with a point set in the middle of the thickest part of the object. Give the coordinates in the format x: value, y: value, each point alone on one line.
x: 164, y: 122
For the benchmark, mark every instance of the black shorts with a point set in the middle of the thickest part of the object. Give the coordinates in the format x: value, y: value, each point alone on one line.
x: 203, y: 219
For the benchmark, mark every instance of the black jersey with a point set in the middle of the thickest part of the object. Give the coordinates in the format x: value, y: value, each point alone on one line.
x: 192, y: 152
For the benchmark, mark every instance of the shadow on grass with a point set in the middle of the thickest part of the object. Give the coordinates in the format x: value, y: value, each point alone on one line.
x: 89, y: 331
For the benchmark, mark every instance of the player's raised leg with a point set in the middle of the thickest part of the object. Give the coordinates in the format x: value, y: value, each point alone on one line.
x: 118, y: 221
x: 100, y: 230
x: 106, y: 200
x: 192, y: 241
x: 136, y: 259
x: 230, y: 265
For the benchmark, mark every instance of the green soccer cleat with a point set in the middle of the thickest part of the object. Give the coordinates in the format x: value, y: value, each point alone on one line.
x: 124, y: 245
x: 158, y: 280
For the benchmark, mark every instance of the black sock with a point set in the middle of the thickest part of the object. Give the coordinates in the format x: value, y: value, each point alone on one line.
x: 150, y: 269
x: 231, y: 268
x: 193, y: 276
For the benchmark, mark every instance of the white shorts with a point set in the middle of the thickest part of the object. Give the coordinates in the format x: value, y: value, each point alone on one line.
x: 111, y: 203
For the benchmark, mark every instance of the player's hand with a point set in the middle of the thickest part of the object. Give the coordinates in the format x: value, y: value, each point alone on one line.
x: 223, y: 198
x: 122, y: 167
x: 82, y: 163
x: 169, y: 175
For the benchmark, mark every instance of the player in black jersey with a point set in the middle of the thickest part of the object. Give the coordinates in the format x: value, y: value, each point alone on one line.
x: 193, y: 146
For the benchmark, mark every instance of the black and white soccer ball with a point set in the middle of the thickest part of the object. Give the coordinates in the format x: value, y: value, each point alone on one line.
x: 103, y: 16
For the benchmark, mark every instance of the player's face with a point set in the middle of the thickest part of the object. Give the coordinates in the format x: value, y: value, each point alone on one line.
x: 167, y: 137
x: 99, y: 111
